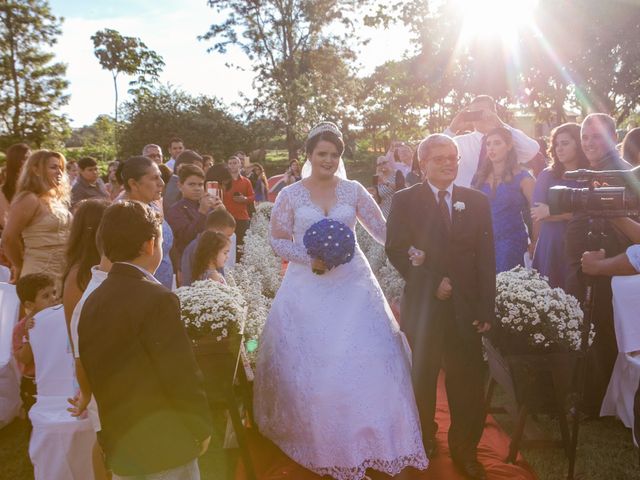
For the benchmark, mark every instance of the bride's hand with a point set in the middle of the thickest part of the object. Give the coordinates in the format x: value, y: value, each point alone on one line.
x: 318, y: 265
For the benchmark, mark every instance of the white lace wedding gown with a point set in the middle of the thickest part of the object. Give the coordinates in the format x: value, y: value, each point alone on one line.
x: 333, y: 382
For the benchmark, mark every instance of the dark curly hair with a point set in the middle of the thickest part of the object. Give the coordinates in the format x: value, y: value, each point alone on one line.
x: 573, y: 130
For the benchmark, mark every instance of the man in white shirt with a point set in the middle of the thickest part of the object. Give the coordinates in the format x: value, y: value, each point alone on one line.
x: 176, y: 147
x: 470, y: 145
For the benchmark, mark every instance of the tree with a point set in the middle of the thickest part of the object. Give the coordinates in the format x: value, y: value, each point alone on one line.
x: 129, y: 56
x: 32, y: 86
x: 95, y: 140
x: 300, y: 59
x: 582, y: 53
x: 202, y: 122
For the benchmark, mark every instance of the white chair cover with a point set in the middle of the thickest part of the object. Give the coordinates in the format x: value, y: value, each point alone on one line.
x: 625, y: 377
x: 55, y: 371
x: 5, y: 274
x: 60, y: 446
x: 9, y: 376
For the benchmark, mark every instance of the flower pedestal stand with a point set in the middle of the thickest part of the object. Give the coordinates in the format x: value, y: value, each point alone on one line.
x: 538, y: 383
x: 223, y: 371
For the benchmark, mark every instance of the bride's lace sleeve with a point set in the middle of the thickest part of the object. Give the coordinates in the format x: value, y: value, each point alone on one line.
x: 370, y: 215
x: 282, y: 232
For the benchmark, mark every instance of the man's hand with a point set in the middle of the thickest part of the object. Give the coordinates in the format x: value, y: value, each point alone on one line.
x: 416, y: 257
x: 208, y: 203
x: 482, y: 327
x: 491, y: 119
x: 204, y: 446
x: 240, y: 199
x: 591, y: 262
x: 445, y: 289
x: 78, y: 405
x: 458, y: 123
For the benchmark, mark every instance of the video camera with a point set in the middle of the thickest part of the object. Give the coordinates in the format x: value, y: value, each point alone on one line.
x: 618, y: 197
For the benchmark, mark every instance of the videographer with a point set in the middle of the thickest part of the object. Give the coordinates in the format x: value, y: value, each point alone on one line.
x: 598, y: 139
x: 628, y: 263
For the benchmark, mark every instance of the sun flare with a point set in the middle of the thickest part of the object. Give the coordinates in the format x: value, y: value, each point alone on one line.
x: 483, y: 19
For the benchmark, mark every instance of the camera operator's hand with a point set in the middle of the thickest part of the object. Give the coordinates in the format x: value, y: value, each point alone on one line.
x: 491, y: 119
x: 539, y: 212
x: 591, y: 262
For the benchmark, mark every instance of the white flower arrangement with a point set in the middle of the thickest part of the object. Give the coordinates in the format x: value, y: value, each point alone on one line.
x: 373, y: 251
x: 257, y: 253
x: 247, y: 280
x: 459, y: 206
x: 209, y: 308
x: 529, y: 309
x: 391, y: 282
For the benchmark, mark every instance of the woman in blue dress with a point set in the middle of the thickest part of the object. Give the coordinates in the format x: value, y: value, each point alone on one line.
x: 566, y: 152
x: 510, y: 190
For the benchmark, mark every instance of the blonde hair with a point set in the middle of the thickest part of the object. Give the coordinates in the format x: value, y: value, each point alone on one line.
x: 34, y: 176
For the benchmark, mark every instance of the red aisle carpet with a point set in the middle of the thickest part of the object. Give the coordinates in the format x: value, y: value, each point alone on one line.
x: 272, y: 464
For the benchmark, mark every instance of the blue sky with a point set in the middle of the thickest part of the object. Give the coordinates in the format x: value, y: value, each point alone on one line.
x: 170, y: 28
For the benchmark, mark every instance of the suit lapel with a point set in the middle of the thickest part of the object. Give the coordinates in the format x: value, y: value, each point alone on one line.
x: 455, y: 215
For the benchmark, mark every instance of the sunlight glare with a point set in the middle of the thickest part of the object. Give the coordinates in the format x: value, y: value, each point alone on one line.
x: 489, y: 18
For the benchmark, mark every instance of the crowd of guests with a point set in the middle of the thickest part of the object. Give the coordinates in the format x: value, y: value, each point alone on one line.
x: 55, y: 241
x: 64, y: 228
x: 516, y: 175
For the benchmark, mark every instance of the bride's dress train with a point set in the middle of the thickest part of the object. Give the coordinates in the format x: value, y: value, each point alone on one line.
x: 333, y: 379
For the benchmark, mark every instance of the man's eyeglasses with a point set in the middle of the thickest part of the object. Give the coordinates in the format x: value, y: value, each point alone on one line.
x: 442, y: 160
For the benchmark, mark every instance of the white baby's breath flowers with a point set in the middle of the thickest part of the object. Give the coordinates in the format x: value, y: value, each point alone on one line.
x: 209, y: 308
x: 545, y: 317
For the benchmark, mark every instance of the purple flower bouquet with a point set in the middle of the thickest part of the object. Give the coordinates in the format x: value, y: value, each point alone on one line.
x: 330, y: 241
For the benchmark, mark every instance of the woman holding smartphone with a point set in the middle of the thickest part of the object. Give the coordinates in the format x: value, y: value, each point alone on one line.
x: 386, y: 182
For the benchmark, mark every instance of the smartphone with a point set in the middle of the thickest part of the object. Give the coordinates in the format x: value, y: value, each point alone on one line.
x: 375, y: 180
x: 474, y: 116
x: 237, y: 194
x: 212, y: 188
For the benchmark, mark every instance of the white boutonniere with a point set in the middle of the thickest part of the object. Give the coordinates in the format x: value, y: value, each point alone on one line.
x: 459, y: 206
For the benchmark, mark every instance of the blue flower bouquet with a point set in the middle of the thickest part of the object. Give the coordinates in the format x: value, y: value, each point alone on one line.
x: 330, y: 241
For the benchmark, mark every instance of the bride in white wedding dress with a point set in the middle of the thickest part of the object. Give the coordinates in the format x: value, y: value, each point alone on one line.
x: 333, y: 379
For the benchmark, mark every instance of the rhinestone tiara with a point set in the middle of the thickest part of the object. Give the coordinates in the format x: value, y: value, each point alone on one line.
x: 324, y: 127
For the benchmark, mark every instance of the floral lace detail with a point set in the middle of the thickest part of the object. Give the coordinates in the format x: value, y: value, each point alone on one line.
x: 390, y: 467
x: 288, y: 226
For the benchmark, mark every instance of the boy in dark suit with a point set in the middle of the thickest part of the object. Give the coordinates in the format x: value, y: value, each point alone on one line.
x: 138, y: 359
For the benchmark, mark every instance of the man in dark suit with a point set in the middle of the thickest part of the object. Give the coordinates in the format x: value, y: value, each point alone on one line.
x: 138, y: 359
x: 440, y: 239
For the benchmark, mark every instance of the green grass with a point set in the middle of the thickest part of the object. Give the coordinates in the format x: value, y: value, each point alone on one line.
x: 605, y: 448
x: 605, y: 452
x: 216, y: 464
